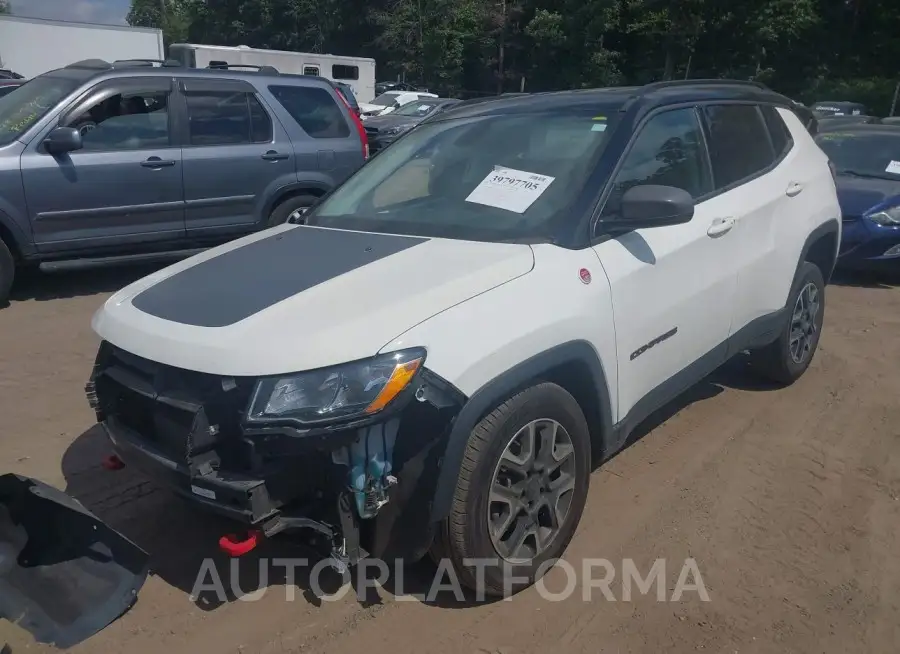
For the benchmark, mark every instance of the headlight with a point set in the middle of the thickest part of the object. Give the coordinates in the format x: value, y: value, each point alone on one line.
x: 393, y: 130
x: 351, y: 390
x: 887, y: 217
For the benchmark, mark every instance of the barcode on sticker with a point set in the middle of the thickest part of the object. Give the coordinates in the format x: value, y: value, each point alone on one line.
x: 203, y: 492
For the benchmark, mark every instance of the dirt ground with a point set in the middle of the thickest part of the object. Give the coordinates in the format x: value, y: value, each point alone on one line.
x: 788, y: 501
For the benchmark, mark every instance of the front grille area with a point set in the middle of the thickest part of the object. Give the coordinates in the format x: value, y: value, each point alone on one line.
x: 179, y: 413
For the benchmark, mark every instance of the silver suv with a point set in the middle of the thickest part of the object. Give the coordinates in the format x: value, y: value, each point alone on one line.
x: 106, y: 161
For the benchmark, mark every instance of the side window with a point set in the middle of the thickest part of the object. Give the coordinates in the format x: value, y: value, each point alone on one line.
x: 668, y: 151
x: 133, y: 120
x: 781, y: 135
x: 340, y: 71
x: 314, y: 110
x: 739, y: 142
x: 227, y: 118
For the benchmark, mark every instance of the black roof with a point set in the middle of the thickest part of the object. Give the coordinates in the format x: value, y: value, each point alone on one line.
x: 647, y: 96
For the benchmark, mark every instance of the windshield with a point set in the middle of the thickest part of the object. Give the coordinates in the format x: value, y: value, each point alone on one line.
x: 863, y: 154
x: 497, y: 177
x: 385, y: 99
x: 417, y: 109
x: 29, y: 103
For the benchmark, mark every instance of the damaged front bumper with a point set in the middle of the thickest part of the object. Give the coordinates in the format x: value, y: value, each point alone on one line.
x: 362, y: 488
x: 64, y: 574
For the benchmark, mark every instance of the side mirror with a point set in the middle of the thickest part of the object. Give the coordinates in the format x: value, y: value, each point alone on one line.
x: 62, y: 140
x: 654, y: 206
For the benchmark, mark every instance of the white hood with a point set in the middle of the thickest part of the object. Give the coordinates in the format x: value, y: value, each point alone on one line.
x: 297, y: 298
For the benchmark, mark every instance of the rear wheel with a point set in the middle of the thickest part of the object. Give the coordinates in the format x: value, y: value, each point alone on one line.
x: 785, y: 360
x: 291, y: 210
x: 521, y: 491
x: 7, y: 272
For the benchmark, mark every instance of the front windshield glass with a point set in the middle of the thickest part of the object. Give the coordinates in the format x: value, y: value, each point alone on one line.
x: 417, y: 109
x: 385, y: 99
x: 495, y: 177
x: 29, y: 103
x: 873, y: 154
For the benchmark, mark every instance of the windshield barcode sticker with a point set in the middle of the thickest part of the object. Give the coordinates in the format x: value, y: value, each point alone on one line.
x: 510, y: 189
x: 893, y: 168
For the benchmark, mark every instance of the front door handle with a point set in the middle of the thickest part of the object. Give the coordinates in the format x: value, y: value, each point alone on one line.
x: 794, y: 189
x: 271, y: 155
x: 721, y: 226
x: 156, y: 162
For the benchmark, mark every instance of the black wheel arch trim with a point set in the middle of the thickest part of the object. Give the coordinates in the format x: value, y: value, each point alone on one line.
x: 21, y: 242
x: 500, y: 388
x: 292, y: 189
x: 823, y: 230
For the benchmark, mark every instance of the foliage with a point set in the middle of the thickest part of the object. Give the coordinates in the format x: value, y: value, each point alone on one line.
x: 809, y: 49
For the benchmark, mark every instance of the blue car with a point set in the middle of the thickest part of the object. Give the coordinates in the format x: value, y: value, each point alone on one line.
x: 866, y: 163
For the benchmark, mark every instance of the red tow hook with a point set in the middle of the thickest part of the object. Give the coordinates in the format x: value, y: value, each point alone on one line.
x: 112, y: 462
x: 234, y: 546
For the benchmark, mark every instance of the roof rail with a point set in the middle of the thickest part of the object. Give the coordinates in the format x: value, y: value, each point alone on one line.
x: 653, y: 86
x: 265, y: 70
x: 165, y: 63
x: 92, y: 64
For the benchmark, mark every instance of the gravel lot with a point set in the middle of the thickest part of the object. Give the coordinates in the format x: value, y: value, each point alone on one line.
x: 788, y: 500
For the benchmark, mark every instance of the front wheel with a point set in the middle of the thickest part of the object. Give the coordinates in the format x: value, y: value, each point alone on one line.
x: 521, y: 491
x: 291, y: 210
x: 785, y: 360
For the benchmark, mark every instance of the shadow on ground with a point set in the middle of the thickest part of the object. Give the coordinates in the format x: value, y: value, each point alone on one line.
x: 182, y: 541
x: 35, y: 285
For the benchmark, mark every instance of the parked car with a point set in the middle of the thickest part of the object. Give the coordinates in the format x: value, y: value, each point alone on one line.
x: 384, y: 130
x: 827, y: 123
x: 866, y: 159
x: 384, y: 87
x: 459, y: 370
x: 388, y: 102
x: 8, y: 85
x: 825, y: 108
x: 198, y: 157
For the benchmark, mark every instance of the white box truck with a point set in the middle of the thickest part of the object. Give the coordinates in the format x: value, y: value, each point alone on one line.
x: 357, y: 72
x: 31, y: 46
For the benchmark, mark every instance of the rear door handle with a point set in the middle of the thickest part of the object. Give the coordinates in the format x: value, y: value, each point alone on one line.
x: 794, y: 189
x: 721, y: 226
x: 156, y: 162
x: 271, y: 155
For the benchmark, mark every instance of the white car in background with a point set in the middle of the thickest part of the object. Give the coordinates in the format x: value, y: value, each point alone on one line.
x: 388, y: 102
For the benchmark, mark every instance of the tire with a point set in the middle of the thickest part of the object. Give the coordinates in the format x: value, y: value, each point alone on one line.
x: 7, y: 273
x: 465, y: 536
x: 782, y: 362
x: 283, y: 211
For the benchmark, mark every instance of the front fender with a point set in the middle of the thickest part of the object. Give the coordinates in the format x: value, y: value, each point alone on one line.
x: 506, y: 339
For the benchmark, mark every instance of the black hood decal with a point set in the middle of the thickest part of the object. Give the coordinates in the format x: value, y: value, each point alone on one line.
x: 242, y: 282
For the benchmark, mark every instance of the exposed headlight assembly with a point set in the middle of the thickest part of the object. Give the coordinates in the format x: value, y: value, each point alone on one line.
x: 886, y: 217
x: 351, y: 390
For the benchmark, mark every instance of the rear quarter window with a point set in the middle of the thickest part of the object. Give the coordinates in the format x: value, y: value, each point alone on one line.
x: 314, y: 109
x: 739, y: 143
x: 782, y: 141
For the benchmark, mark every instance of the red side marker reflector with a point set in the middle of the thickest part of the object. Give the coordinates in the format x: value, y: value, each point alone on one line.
x: 585, y: 275
x: 233, y: 545
x: 112, y: 462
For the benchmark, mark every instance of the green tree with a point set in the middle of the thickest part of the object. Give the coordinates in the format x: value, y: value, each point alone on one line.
x: 171, y: 16
x: 4, y: 7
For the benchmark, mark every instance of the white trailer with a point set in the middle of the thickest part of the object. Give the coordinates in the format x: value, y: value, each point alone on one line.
x: 357, y: 72
x: 31, y: 46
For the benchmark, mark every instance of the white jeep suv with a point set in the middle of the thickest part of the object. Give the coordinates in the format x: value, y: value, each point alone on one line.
x: 463, y: 329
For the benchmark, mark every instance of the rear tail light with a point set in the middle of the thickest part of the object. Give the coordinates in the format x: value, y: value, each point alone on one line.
x: 354, y: 114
